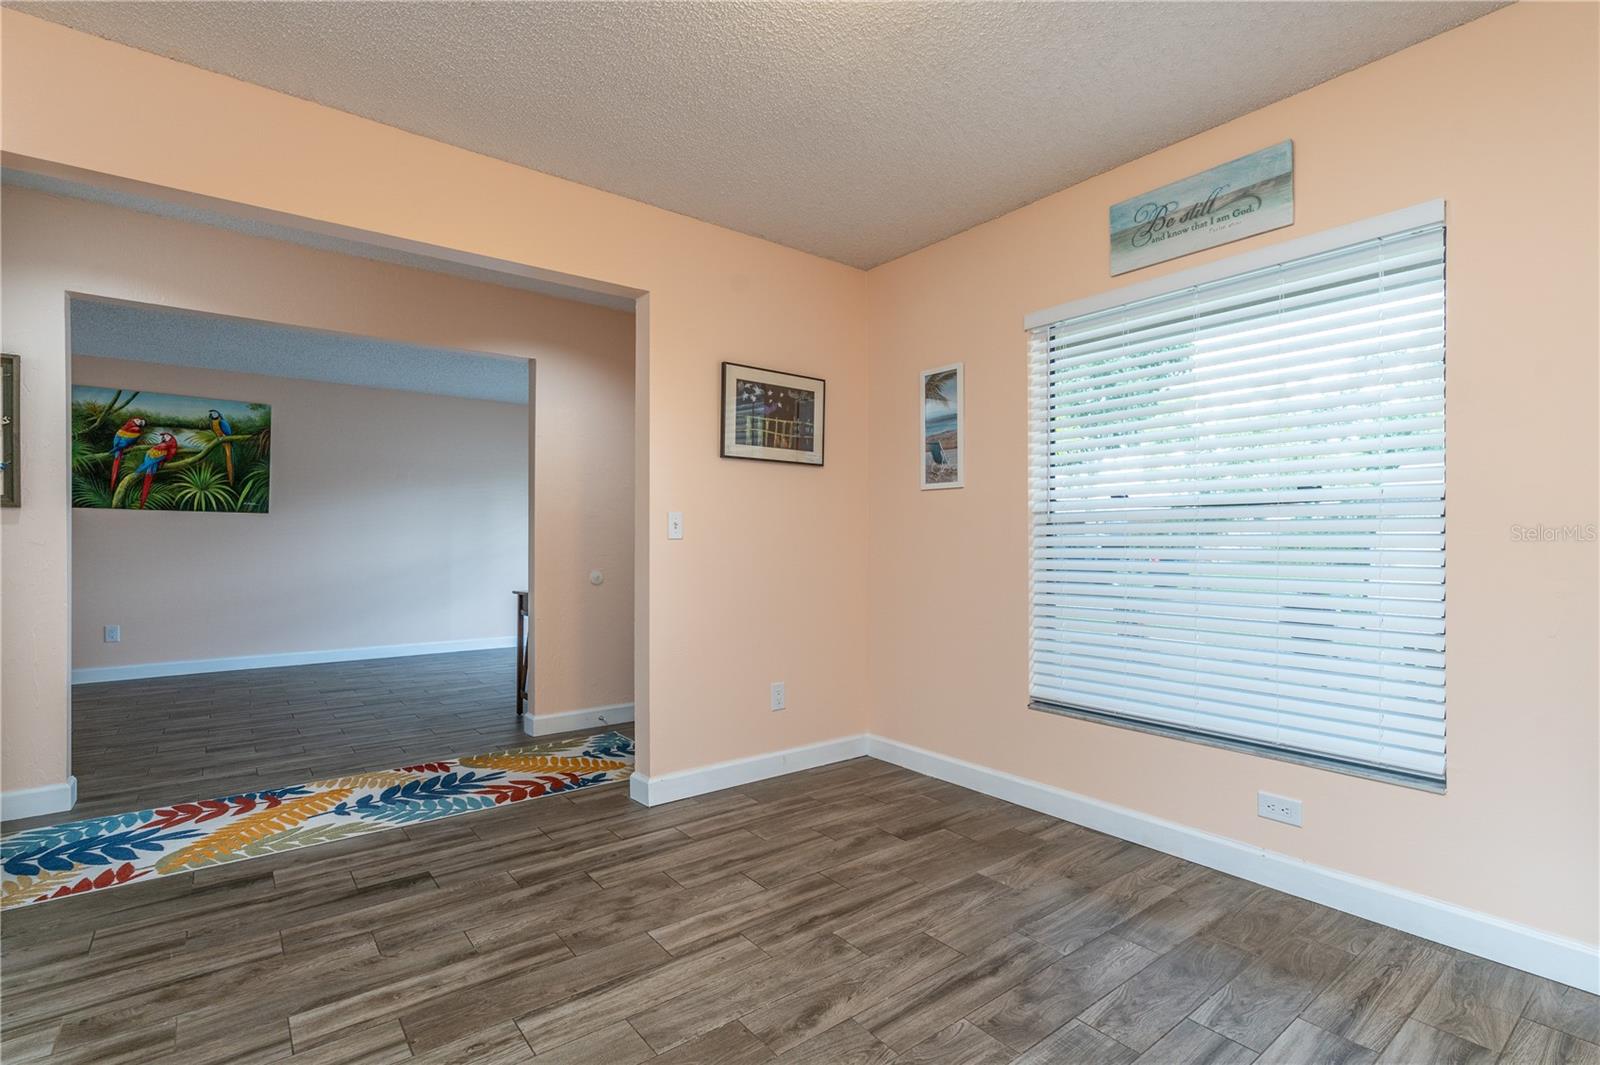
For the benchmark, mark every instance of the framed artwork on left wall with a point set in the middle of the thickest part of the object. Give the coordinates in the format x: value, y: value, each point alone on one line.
x: 10, y: 470
x: 135, y: 450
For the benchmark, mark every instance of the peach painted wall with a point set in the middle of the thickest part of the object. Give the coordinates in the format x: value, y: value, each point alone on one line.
x: 1499, y: 119
x: 74, y: 102
x: 396, y: 518
x: 583, y: 439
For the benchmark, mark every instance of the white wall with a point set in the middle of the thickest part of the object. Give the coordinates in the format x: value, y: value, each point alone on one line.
x: 395, y: 518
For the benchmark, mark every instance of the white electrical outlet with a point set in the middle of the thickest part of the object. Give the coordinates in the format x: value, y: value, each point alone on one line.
x: 675, y: 525
x: 113, y: 634
x: 1278, y: 808
x: 778, y: 697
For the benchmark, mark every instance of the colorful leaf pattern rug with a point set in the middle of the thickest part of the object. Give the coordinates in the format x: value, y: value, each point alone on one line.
x: 42, y: 864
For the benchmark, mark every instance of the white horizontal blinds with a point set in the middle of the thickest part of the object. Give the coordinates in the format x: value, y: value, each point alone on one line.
x: 1238, y: 507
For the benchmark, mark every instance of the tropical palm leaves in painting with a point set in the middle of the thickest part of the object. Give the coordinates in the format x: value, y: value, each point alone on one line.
x: 144, y: 451
x: 203, y: 488
x: 254, y: 487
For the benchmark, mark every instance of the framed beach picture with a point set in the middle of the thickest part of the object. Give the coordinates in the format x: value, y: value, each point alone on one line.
x: 134, y: 450
x: 772, y: 416
x: 944, y: 428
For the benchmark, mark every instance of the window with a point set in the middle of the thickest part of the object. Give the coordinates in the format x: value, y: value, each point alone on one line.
x: 1237, y: 489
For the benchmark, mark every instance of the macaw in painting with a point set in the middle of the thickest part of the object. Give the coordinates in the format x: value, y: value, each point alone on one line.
x: 220, y: 426
x: 163, y: 449
x: 126, y: 437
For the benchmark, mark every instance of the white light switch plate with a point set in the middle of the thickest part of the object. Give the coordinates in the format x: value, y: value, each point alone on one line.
x: 779, y: 698
x: 675, y: 525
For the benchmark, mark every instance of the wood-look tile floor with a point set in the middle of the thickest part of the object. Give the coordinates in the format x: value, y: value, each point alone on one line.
x: 143, y: 743
x: 853, y: 915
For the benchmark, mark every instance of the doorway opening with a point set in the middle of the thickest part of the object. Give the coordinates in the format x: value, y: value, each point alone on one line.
x: 294, y: 553
x: 220, y: 570
x: 112, y: 256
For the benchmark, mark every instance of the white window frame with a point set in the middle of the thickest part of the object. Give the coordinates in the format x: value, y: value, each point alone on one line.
x: 1419, y: 216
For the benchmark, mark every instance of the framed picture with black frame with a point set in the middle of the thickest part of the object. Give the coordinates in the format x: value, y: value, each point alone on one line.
x: 10, y: 467
x: 772, y: 416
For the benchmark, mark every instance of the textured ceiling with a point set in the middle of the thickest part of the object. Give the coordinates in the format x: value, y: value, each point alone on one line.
x: 858, y: 131
x: 145, y: 333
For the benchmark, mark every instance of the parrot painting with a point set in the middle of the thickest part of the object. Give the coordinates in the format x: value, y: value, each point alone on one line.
x: 163, y: 449
x: 126, y: 437
x: 220, y: 426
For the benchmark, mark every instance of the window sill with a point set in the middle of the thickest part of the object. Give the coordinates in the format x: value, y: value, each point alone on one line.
x: 1383, y: 776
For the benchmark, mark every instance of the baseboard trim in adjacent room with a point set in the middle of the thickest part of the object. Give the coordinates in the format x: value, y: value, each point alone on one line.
x: 1529, y: 949
x: 572, y: 720
x: 32, y: 802
x: 686, y: 783
x: 100, y: 674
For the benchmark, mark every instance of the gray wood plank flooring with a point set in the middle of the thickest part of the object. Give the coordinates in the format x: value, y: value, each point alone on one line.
x: 142, y: 743
x: 857, y: 914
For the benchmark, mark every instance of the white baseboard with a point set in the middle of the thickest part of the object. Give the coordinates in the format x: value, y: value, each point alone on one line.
x: 1519, y: 946
x: 670, y: 787
x: 32, y: 802
x: 572, y: 720
x: 1529, y: 949
x: 100, y: 674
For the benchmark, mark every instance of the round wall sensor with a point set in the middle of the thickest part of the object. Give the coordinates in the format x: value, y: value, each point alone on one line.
x: 596, y: 577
